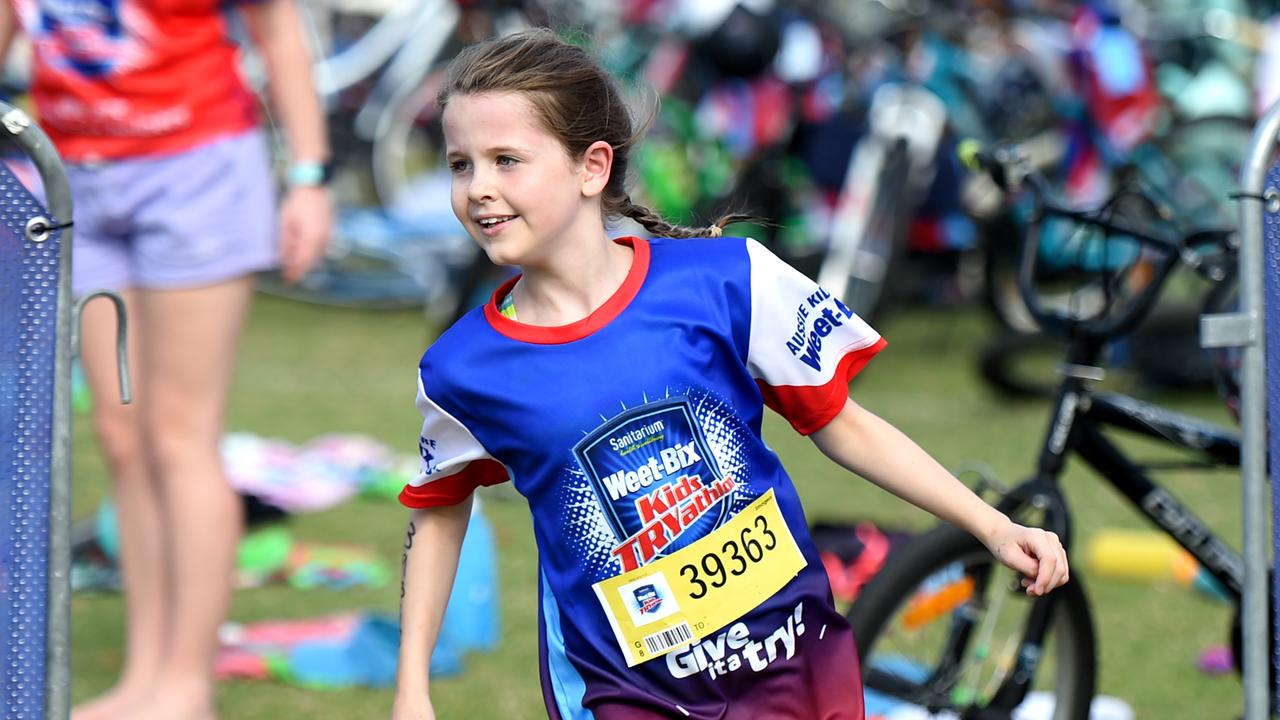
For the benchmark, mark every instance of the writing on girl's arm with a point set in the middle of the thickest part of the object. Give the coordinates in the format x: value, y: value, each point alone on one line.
x: 404, y: 560
x: 432, y: 545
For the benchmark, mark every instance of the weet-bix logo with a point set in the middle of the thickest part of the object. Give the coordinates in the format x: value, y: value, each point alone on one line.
x: 647, y: 599
x: 655, y: 477
x: 811, y: 327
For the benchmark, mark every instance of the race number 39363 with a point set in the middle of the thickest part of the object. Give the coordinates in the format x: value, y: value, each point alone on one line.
x: 734, y: 558
x: 707, y: 585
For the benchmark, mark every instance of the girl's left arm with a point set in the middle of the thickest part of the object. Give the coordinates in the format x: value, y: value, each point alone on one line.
x: 865, y: 444
x: 306, y: 213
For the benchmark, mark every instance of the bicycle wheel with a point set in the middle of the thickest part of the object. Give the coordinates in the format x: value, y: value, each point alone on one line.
x: 353, y: 39
x: 408, y: 146
x: 1203, y: 165
x: 863, y: 250
x: 1021, y: 364
x: 1004, y: 238
x: 941, y: 625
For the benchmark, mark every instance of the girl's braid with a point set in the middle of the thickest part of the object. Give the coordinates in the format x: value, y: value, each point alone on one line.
x: 658, y: 227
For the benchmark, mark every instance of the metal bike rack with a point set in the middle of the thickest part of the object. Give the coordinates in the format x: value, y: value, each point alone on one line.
x: 1259, y: 277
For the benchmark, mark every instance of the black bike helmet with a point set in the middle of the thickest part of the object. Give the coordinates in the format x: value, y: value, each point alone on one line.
x: 739, y: 38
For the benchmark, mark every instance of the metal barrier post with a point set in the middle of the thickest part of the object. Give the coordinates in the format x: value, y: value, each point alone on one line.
x: 38, y: 679
x: 1245, y: 329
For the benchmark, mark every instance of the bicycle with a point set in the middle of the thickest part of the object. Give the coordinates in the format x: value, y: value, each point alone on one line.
x: 395, y: 246
x: 1199, y: 62
x: 927, y: 624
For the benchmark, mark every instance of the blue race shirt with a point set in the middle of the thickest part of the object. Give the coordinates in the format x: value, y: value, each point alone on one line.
x: 677, y: 575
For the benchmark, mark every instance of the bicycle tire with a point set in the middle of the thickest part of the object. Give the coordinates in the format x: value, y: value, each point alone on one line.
x: 1001, y: 256
x: 338, y: 69
x: 922, y: 559
x: 887, y: 236
x: 403, y: 145
x: 862, y: 280
x: 1007, y: 363
x: 1204, y: 153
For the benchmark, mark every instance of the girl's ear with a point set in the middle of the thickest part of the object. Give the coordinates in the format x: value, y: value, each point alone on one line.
x: 597, y: 165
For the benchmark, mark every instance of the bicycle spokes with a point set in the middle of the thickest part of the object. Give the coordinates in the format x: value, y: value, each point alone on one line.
x: 956, y: 639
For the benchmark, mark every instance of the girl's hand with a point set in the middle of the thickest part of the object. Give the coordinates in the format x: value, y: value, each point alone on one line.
x: 306, y: 221
x: 416, y: 707
x: 1036, y: 553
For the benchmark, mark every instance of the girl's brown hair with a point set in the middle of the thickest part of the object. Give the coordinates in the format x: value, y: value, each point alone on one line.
x: 576, y: 101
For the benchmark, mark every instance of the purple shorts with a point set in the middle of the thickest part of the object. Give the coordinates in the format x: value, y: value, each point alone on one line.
x: 175, y: 221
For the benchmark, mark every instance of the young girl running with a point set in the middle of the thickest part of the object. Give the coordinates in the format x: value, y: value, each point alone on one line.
x: 620, y: 384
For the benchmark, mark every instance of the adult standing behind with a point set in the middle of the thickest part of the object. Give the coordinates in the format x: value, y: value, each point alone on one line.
x: 175, y: 209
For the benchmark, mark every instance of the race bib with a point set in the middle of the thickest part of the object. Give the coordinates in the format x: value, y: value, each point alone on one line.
x: 684, y: 596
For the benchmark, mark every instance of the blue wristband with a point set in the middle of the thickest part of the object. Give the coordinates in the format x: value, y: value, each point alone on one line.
x: 309, y: 174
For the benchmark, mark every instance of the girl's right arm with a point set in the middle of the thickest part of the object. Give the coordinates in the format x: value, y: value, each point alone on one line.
x: 431, y: 549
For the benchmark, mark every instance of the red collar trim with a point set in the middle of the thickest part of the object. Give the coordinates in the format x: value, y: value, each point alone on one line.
x: 601, y: 316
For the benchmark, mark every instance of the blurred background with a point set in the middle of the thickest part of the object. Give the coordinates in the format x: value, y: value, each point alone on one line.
x: 836, y: 124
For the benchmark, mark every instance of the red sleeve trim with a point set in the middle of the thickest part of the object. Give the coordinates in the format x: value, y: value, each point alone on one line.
x: 455, y: 488
x: 810, y: 407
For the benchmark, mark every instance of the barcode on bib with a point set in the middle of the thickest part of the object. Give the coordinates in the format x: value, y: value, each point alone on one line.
x: 671, y: 637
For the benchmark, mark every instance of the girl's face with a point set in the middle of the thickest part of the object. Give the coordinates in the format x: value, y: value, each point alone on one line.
x: 515, y: 188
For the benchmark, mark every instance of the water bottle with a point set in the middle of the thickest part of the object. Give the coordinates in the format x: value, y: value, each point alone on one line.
x: 471, y: 620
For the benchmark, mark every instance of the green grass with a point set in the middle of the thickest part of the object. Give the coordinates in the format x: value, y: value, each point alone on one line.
x: 306, y: 370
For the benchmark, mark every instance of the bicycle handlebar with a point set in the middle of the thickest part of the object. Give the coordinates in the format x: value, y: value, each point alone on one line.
x: 1009, y: 168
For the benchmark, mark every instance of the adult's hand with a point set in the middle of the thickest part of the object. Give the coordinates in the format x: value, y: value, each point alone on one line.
x: 306, y: 224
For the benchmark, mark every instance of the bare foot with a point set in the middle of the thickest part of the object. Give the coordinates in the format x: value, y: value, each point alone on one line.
x: 179, y: 711
x: 168, y: 702
x: 114, y: 704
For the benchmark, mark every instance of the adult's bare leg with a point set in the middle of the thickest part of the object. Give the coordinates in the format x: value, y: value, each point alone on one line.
x: 190, y: 353
x: 137, y: 500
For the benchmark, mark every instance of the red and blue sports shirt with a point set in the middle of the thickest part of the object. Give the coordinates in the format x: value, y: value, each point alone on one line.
x: 677, y: 575
x: 115, y: 79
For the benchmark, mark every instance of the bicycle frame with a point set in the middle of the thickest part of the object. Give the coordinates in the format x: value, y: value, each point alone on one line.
x: 1079, y: 418
x: 396, y: 28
